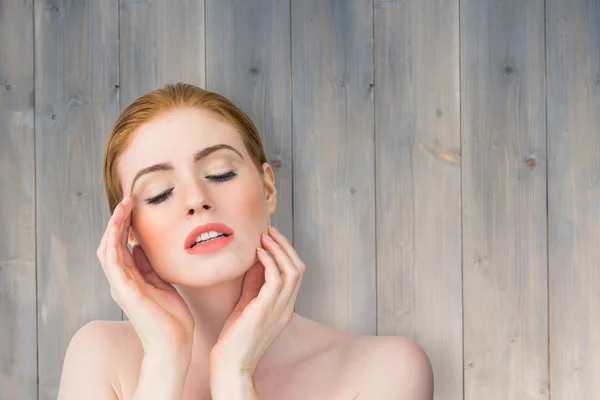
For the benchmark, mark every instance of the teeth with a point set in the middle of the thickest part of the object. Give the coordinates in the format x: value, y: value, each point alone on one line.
x: 208, y: 235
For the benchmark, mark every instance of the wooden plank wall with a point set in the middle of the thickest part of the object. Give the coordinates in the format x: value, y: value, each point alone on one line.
x: 573, y: 74
x: 334, y: 187
x: 18, y: 345
x: 76, y: 103
x: 437, y: 166
x: 418, y: 181
x: 505, y: 299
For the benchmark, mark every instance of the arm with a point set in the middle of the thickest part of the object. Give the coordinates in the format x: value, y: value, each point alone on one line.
x: 162, y: 376
x: 159, y: 315
x: 399, y: 370
x: 232, y: 386
x: 265, y: 308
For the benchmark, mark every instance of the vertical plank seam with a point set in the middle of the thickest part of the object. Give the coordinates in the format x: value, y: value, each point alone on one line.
x: 374, y: 111
x: 548, y: 386
x: 291, y: 100
x: 205, y: 49
x: 119, y: 78
x: 462, y: 250
x: 35, y: 246
x: 119, y: 55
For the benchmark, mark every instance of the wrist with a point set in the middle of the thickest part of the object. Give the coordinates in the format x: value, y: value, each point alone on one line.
x: 162, y: 376
x: 231, y: 385
x: 176, y: 355
x: 221, y: 364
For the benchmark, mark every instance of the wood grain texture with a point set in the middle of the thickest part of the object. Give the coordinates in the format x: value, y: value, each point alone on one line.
x: 18, y: 357
x: 369, y: 177
x: 573, y: 54
x: 248, y: 61
x: 160, y: 42
x: 504, y: 200
x: 417, y: 110
x: 76, y: 103
x: 334, y: 188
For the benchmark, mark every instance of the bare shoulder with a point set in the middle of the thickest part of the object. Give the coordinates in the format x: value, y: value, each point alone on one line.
x: 360, y: 367
x: 98, y: 354
x: 392, y: 367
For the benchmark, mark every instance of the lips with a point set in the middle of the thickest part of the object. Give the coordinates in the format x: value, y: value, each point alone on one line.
x: 212, y: 226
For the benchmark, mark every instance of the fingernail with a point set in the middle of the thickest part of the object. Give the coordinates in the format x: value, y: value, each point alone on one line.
x: 267, y: 237
x: 274, y: 229
x: 261, y: 250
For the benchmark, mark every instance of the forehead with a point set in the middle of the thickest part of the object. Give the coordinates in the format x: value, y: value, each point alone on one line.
x: 175, y: 137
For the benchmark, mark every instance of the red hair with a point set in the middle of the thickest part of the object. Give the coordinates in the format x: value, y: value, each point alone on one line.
x: 160, y: 101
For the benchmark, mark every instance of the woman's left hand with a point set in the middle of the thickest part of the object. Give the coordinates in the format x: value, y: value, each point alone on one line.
x: 263, y: 310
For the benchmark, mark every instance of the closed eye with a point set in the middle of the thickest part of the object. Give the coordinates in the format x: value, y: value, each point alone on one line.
x: 214, y: 178
x: 222, y: 178
x: 160, y: 198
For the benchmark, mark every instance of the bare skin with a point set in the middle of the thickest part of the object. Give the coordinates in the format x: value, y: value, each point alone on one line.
x: 327, y: 364
x: 321, y: 368
x: 217, y: 325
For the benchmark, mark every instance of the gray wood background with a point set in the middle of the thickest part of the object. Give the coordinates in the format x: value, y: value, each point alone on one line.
x: 437, y: 164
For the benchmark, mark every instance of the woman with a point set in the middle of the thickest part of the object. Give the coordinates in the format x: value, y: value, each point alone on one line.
x: 211, y: 313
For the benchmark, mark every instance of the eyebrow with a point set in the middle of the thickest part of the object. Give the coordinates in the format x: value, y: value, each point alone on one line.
x: 168, y: 166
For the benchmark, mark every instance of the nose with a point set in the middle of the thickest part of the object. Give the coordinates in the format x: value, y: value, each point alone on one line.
x: 196, y: 198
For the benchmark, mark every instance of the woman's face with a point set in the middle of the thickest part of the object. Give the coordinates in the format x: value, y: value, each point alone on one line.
x: 178, y: 184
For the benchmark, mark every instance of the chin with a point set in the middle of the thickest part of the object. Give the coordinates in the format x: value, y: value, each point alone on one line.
x: 208, y: 270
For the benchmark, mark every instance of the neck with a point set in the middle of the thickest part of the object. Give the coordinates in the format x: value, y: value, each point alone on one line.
x: 210, y: 307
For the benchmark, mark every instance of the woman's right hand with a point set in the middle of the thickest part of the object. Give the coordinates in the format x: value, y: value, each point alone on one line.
x: 159, y: 315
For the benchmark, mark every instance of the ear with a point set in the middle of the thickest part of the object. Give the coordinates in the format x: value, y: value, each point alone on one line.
x: 131, y: 238
x: 270, y: 190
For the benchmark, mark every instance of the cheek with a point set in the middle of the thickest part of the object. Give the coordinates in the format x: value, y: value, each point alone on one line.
x: 249, y: 203
x: 150, y: 228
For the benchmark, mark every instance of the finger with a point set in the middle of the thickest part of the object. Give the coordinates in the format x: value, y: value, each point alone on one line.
x: 291, y: 274
x: 253, y: 282
x: 284, y: 263
x: 291, y: 304
x: 119, y: 251
x: 269, y: 292
x: 127, y: 206
x: 293, y: 255
x: 147, y: 272
x: 280, y: 239
x: 108, y: 235
x: 114, y: 272
x: 156, y: 281
x: 141, y: 260
x: 101, y: 252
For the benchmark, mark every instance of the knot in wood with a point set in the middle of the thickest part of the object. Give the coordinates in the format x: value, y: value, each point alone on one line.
x: 276, y: 164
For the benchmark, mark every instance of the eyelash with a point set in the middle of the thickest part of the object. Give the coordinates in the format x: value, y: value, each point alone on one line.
x: 214, y: 178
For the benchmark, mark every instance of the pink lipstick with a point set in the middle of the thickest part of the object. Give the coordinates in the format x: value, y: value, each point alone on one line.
x: 208, y: 238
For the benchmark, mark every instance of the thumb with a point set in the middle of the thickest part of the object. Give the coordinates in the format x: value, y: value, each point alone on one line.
x: 253, y: 282
x: 141, y: 261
